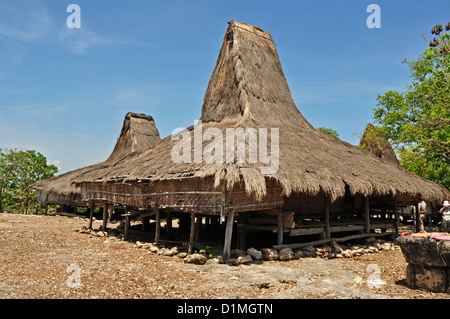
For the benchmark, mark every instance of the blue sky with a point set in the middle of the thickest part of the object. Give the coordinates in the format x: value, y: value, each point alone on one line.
x: 64, y: 92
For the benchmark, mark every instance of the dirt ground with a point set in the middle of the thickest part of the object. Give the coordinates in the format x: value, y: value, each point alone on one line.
x: 43, y: 257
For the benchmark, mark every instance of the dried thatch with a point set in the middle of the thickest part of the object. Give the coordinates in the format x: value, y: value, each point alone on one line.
x: 138, y: 133
x: 375, y: 143
x: 248, y: 89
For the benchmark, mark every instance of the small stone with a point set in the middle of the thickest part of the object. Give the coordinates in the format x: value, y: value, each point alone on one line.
x: 244, y: 259
x: 197, y: 259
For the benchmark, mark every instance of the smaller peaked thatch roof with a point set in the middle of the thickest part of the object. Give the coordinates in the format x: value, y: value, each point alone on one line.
x: 138, y: 133
x: 374, y: 142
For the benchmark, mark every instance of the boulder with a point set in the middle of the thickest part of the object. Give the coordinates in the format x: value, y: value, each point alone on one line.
x: 269, y: 254
x: 430, y: 278
x: 285, y: 254
x: 197, y: 259
x: 421, y: 251
x: 255, y: 254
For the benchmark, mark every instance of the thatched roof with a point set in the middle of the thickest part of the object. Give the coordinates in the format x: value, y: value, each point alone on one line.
x: 138, y: 133
x: 248, y: 89
x: 375, y: 143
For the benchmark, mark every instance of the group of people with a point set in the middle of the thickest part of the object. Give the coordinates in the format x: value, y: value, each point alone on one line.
x: 445, y: 211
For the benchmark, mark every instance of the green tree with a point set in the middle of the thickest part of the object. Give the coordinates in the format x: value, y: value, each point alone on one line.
x: 417, y: 121
x: 18, y: 170
x: 328, y: 131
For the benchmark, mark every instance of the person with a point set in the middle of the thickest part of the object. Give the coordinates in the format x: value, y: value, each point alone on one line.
x: 445, y: 210
x: 422, y: 214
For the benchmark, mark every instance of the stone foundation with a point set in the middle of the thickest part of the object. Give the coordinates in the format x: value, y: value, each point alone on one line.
x: 428, y: 263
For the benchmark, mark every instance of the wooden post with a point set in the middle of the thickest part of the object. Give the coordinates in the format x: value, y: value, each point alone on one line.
x: 91, y: 214
x: 416, y: 207
x: 191, y: 235
x: 396, y: 217
x: 158, y: 225
x: 228, y: 235
x: 327, y: 217
x: 367, y: 213
x: 105, y: 216
x: 126, y: 229
x: 280, y: 228
x: 169, y: 223
x: 198, y: 225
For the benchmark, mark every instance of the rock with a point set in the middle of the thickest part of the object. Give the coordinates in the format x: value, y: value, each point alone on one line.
x: 213, y: 261
x: 430, y: 278
x: 255, y: 254
x: 152, y: 248
x: 348, y: 253
x: 370, y: 239
x: 336, y: 248
x: 182, y: 255
x: 309, y: 248
x: 269, y: 254
x: 166, y: 252
x: 285, y: 254
x: 244, y: 259
x: 237, y: 253
x: 175, y: 250
x: 197, y: 259
x: 421, y: 251
x: 298, y: 254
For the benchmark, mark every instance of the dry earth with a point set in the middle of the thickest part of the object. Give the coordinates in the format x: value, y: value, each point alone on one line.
x: 44, y: 257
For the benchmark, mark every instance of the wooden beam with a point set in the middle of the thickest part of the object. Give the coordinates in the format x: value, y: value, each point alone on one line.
x: 367, y: 213
x: 191, y: 235
x: 327, y: 240
x: 228, y: 235
x: 158, y: 225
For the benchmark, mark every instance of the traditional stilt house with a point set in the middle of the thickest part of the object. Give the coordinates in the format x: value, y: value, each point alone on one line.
x: 255, y: 163
x: 137, y: 134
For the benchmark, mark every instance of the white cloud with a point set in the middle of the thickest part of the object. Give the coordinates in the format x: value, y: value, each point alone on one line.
x: 80, y: 40
x: 25, y: 21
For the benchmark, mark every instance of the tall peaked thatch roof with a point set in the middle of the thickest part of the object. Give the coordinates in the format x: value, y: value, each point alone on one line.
x: 248, y: 89
x: 375, y: 143
x: 138, y: 133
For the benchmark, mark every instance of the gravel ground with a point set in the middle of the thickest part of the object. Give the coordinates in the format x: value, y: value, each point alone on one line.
x: 43, y: 257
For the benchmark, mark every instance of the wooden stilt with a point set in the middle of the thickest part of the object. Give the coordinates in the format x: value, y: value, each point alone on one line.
x: 169, y: 223
x: 228, y: 235
x: 367, y: 213
x: 198, y: 225
x: 327, y: 217
x: 91, y: 214
x: 191, y: 235
x: 126, y: 229
x: 105, y: 216
x: 280, y: 228
x: 397, y: 221
x: 158, y: 225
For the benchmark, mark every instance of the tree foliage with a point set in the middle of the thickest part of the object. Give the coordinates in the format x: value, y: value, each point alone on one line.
x: 328, y: 131
x: 417, y: 121
x: 18, y: 170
